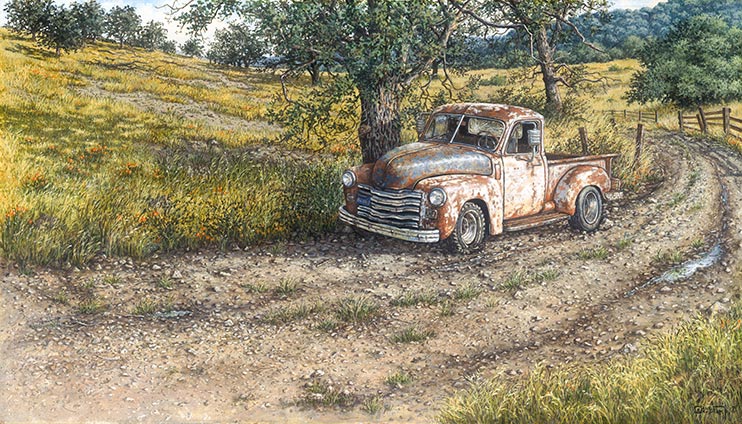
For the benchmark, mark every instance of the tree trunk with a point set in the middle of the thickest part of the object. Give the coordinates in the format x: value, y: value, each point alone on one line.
x: 380, y: 129
x: 548, y: 73
x: 314, y: 72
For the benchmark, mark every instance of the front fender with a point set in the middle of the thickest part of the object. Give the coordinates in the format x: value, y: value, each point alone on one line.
x: 363, y: 175
x: 485, y: 190
x: 569, y: 187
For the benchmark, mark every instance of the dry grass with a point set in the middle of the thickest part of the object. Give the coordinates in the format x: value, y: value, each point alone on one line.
x: 691, y: 375
x: 82, y: 174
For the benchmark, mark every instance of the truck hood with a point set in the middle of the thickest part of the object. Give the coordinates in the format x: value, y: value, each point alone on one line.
x: 406, y: 165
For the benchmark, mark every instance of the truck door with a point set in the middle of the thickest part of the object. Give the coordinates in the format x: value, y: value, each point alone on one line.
x: 524, y: 174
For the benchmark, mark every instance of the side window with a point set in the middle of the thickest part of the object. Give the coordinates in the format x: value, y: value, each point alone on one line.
x: 518, y: 141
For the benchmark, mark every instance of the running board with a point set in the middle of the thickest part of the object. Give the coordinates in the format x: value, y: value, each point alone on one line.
x: 533, y: 221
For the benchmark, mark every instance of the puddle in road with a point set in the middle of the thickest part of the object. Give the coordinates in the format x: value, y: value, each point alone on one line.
x: 172, y: 314
x: 688, y: 268
x: 683, y: 270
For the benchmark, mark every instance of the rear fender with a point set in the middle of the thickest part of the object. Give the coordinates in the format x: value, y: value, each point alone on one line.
x: 484, y: 190
x: 569, y: 187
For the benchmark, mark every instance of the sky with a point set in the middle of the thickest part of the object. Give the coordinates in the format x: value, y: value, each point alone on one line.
x: 153, y: 10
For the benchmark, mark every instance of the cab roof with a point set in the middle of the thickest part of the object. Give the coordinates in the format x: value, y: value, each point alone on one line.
x: 489, y: 110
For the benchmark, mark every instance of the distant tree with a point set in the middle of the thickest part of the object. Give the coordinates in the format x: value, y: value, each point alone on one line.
x: 632, y: 46
x: 547, y: 23
x: 90, y: 17
x: 169, y: 46
x: 62, y: 31
x: 193, y: 47
x: 698, y: 62
x: 28, y: 16
x: 236, y: 45
x: 122, y: 24
x: 152, y: 35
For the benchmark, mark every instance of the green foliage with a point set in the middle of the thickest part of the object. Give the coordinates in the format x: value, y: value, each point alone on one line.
x: 600, y: 253
x: 28, y: 16
x: 320, y: 393
x: 90, y: 18
x: 698, y: 62
x: 356, y: 309
x: 398, y: 379
x: 623, y: 32
x: 427, y: 298
x: 62, y: 30
x: 466, y: 292
x: 324, y: 117
x: 412, y: 335
x: 122, y: 24
x: 151, y: 36
x: 193, y: 47
x: 236, y: 45
x: 496, y: 80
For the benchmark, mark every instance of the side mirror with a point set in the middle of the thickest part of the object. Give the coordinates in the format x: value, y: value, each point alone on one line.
x: 534, y: 139
x: 534, y: 142
x: 422, y: 119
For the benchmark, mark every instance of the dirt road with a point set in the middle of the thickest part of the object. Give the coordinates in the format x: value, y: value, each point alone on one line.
x: 262, y: 335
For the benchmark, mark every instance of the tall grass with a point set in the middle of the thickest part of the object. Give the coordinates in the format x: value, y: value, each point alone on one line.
x: 693, y: 374
x: 82, y: 174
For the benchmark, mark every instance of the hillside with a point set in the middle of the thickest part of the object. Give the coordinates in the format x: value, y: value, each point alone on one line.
x: 129, y: 152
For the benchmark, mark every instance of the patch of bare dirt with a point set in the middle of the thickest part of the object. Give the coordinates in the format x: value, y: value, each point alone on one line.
x: 216, y: 347
x: 187, y: 109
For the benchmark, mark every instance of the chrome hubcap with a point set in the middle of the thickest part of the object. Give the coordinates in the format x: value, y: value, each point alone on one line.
x: 591, y: 206
x: 469, y: 227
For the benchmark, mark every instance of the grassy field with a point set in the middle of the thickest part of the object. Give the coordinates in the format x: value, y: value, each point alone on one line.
x: 84, y: 170
x: 127, y: 152
x: 693, y: 374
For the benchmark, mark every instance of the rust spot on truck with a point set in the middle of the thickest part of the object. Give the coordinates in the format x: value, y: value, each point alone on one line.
x: 406, y: 167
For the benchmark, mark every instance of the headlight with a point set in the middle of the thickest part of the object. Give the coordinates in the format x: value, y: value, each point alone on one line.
x: 349, y: 178
x: 437, y: 197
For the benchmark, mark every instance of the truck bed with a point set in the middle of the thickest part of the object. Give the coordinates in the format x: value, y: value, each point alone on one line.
x: 561, y: 163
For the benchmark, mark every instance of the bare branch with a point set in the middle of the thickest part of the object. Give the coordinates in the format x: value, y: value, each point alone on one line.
x: 577, y: 31
x: 481, y: 20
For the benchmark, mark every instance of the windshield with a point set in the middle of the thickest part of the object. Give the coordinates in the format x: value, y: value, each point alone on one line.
x: 447, y: 128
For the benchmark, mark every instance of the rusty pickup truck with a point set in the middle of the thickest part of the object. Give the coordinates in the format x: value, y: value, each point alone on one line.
x: 476, y: 170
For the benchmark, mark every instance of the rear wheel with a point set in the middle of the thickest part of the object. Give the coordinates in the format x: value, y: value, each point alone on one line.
x: 470, y: 231
x: 588, y: 210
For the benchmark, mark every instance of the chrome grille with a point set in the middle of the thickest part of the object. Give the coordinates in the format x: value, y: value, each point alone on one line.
x: 400, y: 208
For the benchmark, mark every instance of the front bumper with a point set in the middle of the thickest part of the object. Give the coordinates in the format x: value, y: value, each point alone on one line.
x: 423, y: 236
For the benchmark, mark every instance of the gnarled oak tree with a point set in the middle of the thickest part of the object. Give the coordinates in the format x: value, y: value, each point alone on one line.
x: 382, y: 46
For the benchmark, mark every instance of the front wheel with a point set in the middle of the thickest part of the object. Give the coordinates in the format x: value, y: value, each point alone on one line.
x: 469, y: 234
x: 588, y: 210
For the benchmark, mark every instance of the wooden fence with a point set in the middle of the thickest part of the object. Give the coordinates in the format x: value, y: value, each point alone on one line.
x: 636, y: 115
x: 702, y: 120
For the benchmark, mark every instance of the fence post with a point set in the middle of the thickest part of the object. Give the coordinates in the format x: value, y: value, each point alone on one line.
x: 639, y: 141
x: 656, y: 117
x: 702, y: 119
x: 681, y: 124
x: 624, y: 113
x: 583, y: 141
x: 725, y: 113
x: 640, y: 116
